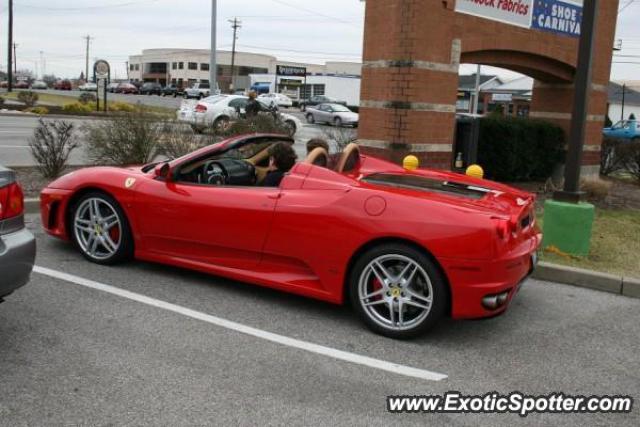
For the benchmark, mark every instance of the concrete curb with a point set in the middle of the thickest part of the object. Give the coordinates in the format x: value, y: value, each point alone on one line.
x: 588, y: 279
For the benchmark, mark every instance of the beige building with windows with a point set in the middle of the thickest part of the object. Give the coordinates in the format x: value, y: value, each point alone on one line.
x: 187, y: 66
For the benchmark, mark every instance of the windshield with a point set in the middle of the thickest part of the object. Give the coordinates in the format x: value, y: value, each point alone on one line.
x: 340, y: 108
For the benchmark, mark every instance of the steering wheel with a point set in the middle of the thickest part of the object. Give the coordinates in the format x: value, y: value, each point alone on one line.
x: 215, y: 173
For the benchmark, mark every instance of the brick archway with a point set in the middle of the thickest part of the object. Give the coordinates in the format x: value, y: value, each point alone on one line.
x: 412, y: 53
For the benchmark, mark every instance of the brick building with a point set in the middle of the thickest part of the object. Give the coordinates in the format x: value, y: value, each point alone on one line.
x: 413, y: 49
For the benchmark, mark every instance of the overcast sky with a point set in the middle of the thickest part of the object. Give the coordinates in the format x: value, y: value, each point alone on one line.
x: 296, y: 30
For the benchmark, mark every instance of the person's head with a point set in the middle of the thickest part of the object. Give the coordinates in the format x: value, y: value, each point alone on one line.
x: 317, y: 143
x: 282, y: 156
x: 252, y: 94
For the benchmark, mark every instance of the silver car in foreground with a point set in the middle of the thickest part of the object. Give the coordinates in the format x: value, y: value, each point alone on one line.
x: 17, y: 244
x: 333, y: 114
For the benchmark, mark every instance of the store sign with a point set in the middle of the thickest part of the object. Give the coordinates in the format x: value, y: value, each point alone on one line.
x: 562, y: 17
x: 290, y: 71
x: 558, y: 16
x: 514, y: 12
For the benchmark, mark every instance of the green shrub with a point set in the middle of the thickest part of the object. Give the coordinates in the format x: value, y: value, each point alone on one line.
x: 611, y: 159
x: 262, y: 123
x: 51, y: 145
x: 78, y: 108
x: 28, y: 98
x: 126, y: 139
x: 87, y: 97
x: 41, y: 111
x: 178, y: 139
x: 121, y: 106
x: 515, y: 149
x: 1, y: 102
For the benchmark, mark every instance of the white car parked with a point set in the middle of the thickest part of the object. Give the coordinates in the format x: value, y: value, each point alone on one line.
x: 220, y: 110
x: 276, y: 99
x: 88, y: 87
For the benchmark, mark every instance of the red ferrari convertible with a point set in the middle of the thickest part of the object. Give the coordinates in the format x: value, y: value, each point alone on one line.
x: 404, y: 247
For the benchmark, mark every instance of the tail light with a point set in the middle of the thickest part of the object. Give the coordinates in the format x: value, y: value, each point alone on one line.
x: 11, y: 201
x: 505, y: 228
x: 200, y: 108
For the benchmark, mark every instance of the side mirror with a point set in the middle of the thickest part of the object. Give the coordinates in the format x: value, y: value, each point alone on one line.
x: 163, y: 170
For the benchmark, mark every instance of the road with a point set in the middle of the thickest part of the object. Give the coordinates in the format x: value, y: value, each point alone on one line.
x: 15, y: 132
x: 72, y: 354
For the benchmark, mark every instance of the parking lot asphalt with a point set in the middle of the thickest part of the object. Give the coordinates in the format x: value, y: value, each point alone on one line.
x: 72, y: 355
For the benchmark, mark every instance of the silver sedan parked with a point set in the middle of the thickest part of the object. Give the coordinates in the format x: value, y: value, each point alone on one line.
x: 333, y: 114
x: 17, y: 244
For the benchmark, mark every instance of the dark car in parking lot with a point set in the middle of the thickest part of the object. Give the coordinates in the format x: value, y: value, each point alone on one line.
x: 17, y: 244
x: 151, y: 89
x: 319, y: 99
x: 172, y: 90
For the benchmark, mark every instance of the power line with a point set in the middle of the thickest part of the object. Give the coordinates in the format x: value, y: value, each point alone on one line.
x: 629, y: 3
x: 236, y: 24
x: 98, y: 7
x: 313, y: 12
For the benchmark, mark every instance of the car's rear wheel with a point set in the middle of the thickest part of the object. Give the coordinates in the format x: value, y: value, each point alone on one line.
x: 397, y: 290
x: 310, y: 118
x: 101, y: 230
x: 221, y: 124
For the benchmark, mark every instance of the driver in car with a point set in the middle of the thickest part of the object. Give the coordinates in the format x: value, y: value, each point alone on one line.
x: 281, y: 160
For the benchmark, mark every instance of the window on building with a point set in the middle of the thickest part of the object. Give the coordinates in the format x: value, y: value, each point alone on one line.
x: 204, y: 67
x: 193, y: 65
x: 174, y: 65
x: 180, y: 65
x: 305, y: 91
x: 204, y: 81
x: 137, y: 67
x: 318, y: 89
x: 174, y: 81
x: 130, y: 67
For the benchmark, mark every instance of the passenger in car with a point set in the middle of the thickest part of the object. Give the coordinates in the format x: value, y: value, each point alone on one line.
x: 281, y: 160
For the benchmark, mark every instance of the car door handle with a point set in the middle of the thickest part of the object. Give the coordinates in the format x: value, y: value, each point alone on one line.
x: 275, y: 196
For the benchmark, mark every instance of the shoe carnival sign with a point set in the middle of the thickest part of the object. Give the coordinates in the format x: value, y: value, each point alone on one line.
x: 514, y: 12
x: 558, y: 16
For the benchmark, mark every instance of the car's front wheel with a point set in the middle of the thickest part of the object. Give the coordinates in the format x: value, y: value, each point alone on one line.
x: 337, y: 122
x: 101, y: 230
x: 397, y: 290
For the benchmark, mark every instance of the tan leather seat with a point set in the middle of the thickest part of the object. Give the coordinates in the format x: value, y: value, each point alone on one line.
x: 318, y: 157
x: 349, y: 159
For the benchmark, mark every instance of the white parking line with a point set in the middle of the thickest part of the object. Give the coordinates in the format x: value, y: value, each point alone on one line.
x: 238, y: 327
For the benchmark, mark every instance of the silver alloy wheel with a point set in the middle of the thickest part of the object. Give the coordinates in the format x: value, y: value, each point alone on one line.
x: 395, y: 292
x: 97, y: 228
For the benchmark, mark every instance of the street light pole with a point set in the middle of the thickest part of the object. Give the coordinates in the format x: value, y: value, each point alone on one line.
x: 571, y: 192
x: 10, y: 49
x: 213, y: 65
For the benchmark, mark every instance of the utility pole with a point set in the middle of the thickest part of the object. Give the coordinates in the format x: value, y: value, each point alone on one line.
x: 624, y: 90
x: 86, y: 69
x: 10, y: 45
x: 213, y: 65
x: 476, y: 95
x: 42, y: 69
x: 235, y: 24
x: 15, y: 61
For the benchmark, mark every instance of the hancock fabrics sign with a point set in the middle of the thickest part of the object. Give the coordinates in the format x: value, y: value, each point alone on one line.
x: 558, y: 16
x: 514, y: 12
x: 563, y: 17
